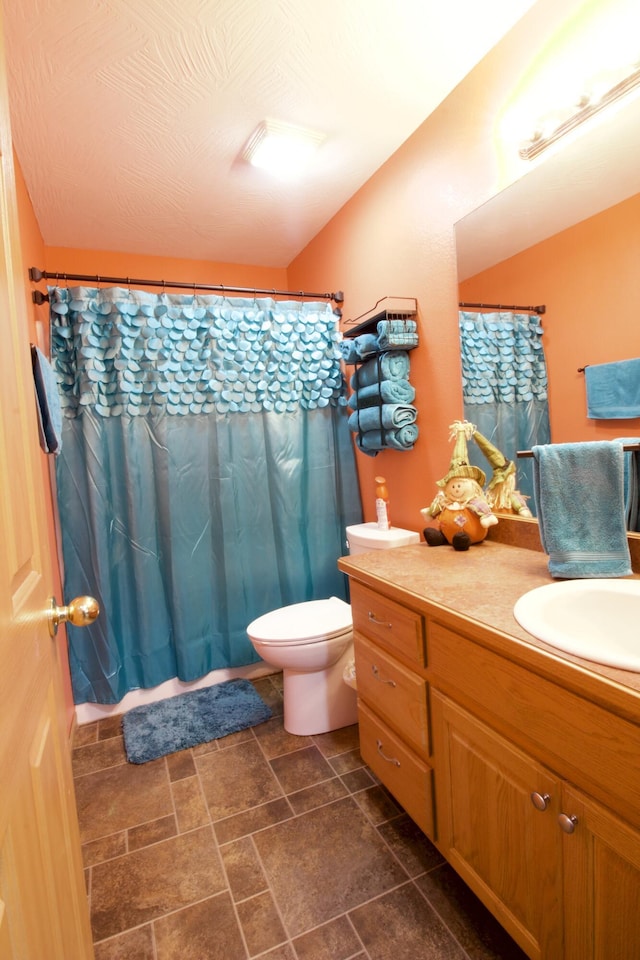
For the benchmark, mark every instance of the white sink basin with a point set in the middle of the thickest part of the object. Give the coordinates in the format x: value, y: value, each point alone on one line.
x: 595, y: 619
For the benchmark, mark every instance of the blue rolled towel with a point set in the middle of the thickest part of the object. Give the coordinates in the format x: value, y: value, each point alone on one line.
x: 387, y: 416
x: 373, y: 441
x: 359, y: 348
x: 392, y: 365
x: 397, y: 334
x: 47, y: 403
x: 388, y: 391
x: 613, y: 390
x: 579, y: 493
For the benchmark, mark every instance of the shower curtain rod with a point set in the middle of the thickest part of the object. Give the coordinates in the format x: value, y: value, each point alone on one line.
x: 35, y: 275
x: 540, y: 309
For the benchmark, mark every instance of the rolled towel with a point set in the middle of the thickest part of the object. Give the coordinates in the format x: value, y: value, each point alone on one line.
x: 398, y: 334
x: 359, y: 348
x: 579, y: 492
x: 388, y: 391
x: 387, y: 416
x: 392, y: 365
x: 373, y: 441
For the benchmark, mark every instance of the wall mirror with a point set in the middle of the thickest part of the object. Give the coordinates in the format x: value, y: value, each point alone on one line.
x: 597, y: 169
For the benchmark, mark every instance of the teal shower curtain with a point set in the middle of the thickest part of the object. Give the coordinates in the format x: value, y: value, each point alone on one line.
x: 504, y: 386
x: 206, y: 475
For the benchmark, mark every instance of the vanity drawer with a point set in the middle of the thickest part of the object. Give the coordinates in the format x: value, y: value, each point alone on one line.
x: 404, y: 774
x: 396, y: 693
x: 388, y: 623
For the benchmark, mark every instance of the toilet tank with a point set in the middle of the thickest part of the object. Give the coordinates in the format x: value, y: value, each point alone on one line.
x: 363, y: 537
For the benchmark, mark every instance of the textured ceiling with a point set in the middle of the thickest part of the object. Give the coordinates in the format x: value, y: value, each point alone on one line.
x: 128, y: 116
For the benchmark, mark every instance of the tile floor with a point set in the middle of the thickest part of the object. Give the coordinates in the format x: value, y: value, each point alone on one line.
x: 264, y: 845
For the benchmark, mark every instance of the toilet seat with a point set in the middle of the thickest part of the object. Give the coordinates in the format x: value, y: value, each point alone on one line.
x: 302, y: 623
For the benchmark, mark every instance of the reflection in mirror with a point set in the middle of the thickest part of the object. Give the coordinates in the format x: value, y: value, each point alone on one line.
x: 567, y: 235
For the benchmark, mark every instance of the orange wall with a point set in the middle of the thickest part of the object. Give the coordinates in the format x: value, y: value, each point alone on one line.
x: 587, y: 276
x: 395, y: 237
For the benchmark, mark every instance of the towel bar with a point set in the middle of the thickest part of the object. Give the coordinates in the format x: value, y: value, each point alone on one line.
x: 629, y: 447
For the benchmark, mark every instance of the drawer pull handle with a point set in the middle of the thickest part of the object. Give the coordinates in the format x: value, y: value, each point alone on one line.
x: 383, y: 755
x: 540, y: 800
x: 567, y: 823
x: 376, y: 673
x: 379, y: 623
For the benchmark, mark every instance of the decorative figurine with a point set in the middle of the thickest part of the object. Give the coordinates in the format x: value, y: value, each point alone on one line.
x: 461, y: 508
x: 501, y: 490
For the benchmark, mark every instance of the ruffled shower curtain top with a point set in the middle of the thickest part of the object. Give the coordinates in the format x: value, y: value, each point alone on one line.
x: 206, y: 475
x: 504, y: 385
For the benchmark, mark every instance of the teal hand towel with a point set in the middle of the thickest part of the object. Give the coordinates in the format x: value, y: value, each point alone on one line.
x: 48, y: 404
x: 613, y: 390
x: 579, y: 493
x: 387, y: 391
x: 387, y: 416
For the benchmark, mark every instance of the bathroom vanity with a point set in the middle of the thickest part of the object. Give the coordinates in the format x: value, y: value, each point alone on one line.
x: 521, y: 764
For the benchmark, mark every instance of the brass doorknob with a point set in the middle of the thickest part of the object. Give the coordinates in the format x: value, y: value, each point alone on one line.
x: 80, y: 612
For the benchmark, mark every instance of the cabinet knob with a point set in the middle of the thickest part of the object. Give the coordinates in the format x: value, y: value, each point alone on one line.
x: 540, y: 800
x: 376, y: 673
x: 379, y: 623
x: 567, y: 823
x: 392, y: 760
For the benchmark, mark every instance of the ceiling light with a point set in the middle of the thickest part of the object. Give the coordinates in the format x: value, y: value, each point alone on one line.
x: 590, y: 103
x: 281, y: 148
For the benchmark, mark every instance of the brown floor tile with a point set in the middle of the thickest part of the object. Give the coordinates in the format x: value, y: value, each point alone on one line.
x: 275, y: 741
x: 133, y: 945
x: 344, y: 740
x: 235, y: 779
x: 283, y: 952
x: 357, y: 780
x: 378, y: 805
x: 255, y: 819
x: 110, y: 727
x: 318, y: 795
x: 152, y: 832
x: 98, y: 756
x: 413, y: 849
x: 148, y: 883
x: 204, y: 931
x: 261, y: 925
x: 87, y: 733
x: 468, y: 919
x: 400, y: 925
x: 301, y: 769
x: 191, y: 807
x: 335, y: 940
x: 271, y: 694
x: 344, y: 762
x: 244, y: 872
x: 121, y: 797
x: 325, y: 862
x: 104, y: 849
x: 181, y: 765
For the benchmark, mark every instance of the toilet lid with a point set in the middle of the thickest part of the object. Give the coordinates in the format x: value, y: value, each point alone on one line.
x: 303, y: 622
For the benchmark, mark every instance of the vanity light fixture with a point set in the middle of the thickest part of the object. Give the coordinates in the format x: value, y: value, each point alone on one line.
x: 587, y: 106
x: 281, y: 148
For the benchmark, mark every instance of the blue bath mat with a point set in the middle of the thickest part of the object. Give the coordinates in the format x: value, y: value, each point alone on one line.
x: 153, y: 730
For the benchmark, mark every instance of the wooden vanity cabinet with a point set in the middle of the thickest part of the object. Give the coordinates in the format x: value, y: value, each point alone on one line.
x: 531, y: 791
x: 395, y: 738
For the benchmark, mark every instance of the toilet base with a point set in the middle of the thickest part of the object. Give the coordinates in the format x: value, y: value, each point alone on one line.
x: 319, y: 702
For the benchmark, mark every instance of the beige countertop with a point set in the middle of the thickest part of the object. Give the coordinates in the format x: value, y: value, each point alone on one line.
x: 474, y: 591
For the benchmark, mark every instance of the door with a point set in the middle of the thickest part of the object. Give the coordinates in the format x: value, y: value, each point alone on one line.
x: 43, y: 909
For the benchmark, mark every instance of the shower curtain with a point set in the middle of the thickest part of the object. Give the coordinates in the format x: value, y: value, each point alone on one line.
x: 206, y: 475
x: 504, y: 386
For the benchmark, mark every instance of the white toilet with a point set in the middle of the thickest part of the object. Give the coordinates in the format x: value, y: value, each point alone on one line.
x: 312, y: 643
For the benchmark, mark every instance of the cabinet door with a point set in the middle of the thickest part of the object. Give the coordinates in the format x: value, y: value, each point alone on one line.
x: 491, y: 831
x: 602, y: 882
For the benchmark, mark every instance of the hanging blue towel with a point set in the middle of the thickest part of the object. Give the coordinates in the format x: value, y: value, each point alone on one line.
x: 388, y: 391
x: 392, y: 365
x: 47, y: 403
x: 387, y: 416
x: 579, y: 493
x: 613, y: 390
x: 631, y: 483
x: 373, y: 441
